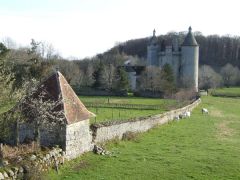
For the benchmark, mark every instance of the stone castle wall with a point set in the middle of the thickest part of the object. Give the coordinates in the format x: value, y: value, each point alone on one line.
x: 104, y: 132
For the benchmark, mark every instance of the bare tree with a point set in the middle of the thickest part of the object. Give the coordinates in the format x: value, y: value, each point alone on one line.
x: 78, y: 76
x: 88, y: 76
x: 151, y: 79
x: 230, y: 75
x: 9, y: 43
x: 47, y: 50
x: 208, y: 78
x: 107, y: 76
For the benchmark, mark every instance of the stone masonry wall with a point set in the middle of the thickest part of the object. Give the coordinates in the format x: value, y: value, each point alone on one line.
x: 26, y: 131
x: 103, y: 132
x: 50, y: 136
x: 78, y: 139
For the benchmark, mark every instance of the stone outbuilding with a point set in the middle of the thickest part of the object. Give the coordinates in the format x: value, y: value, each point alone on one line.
x: 74, y: 135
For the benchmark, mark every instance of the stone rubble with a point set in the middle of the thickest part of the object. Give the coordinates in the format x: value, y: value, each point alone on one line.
x: 100, y: 151
x: 42, y: 163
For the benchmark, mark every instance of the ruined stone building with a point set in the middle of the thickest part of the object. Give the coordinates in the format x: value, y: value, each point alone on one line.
x: 183, y: 59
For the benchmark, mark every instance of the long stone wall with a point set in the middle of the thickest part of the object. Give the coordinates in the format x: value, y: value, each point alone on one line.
x: 104, y: 132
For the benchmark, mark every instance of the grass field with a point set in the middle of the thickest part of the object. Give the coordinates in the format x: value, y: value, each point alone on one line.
x: 201, y: 147
x: 125, y: 100
x: 110, y: 114
x: 227, y: 92
x: 107, y: 114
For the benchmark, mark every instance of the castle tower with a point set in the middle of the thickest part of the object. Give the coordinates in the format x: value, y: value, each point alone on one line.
x: 189, y: 61
x: 152, y: 51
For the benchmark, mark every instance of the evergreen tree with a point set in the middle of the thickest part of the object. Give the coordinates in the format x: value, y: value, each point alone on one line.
x: 98, y: 76
x: 6, y: 76
x: 167, y: 73
x: 122, y: 82
x: 168, y: 84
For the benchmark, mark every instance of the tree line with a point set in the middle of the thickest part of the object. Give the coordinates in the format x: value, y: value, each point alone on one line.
x: 215, y: 50
x: 219, y: 63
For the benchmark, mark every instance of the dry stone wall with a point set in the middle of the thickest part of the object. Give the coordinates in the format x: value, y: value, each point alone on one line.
x: 33, y: 165
x: 104, y: 132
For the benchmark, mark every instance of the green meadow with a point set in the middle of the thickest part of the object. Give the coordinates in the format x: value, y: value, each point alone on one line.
x: 131, y: 107
x: 226, y: 92
x: 200, y: 147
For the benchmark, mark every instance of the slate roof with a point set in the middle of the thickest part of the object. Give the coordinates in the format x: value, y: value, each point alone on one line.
x: 74, y: 109
x: 190, y: 39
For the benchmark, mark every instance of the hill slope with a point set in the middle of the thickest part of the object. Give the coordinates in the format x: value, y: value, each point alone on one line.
x: 214, y: 50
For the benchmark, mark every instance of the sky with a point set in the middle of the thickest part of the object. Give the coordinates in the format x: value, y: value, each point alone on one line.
x: 84, y: 28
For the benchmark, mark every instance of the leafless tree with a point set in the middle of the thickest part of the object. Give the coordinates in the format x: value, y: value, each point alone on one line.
x: 151, y: 79
x: 230, y: 75
x: 47, y: 50
x: 88, y: 76
x: 9, y: 43
x: 107, y: 76
x: 208, y: 78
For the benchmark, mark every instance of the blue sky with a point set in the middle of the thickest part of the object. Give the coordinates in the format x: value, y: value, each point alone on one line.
x: 83, y: 28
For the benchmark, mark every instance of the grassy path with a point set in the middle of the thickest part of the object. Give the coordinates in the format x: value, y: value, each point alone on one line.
x: 201, y: 147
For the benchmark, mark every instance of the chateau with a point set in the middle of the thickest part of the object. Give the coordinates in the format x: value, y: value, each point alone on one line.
x: 183, y: 59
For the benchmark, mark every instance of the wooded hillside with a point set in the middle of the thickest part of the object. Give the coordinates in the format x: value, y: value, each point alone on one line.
x: 215, y: 50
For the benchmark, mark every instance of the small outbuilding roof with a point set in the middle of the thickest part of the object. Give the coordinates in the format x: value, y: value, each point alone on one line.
x: 190, y: 39
x: 74, y: 110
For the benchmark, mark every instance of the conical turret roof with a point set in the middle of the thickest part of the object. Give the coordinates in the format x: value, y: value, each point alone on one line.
x: 190, y: 39
x: 153, y: 39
